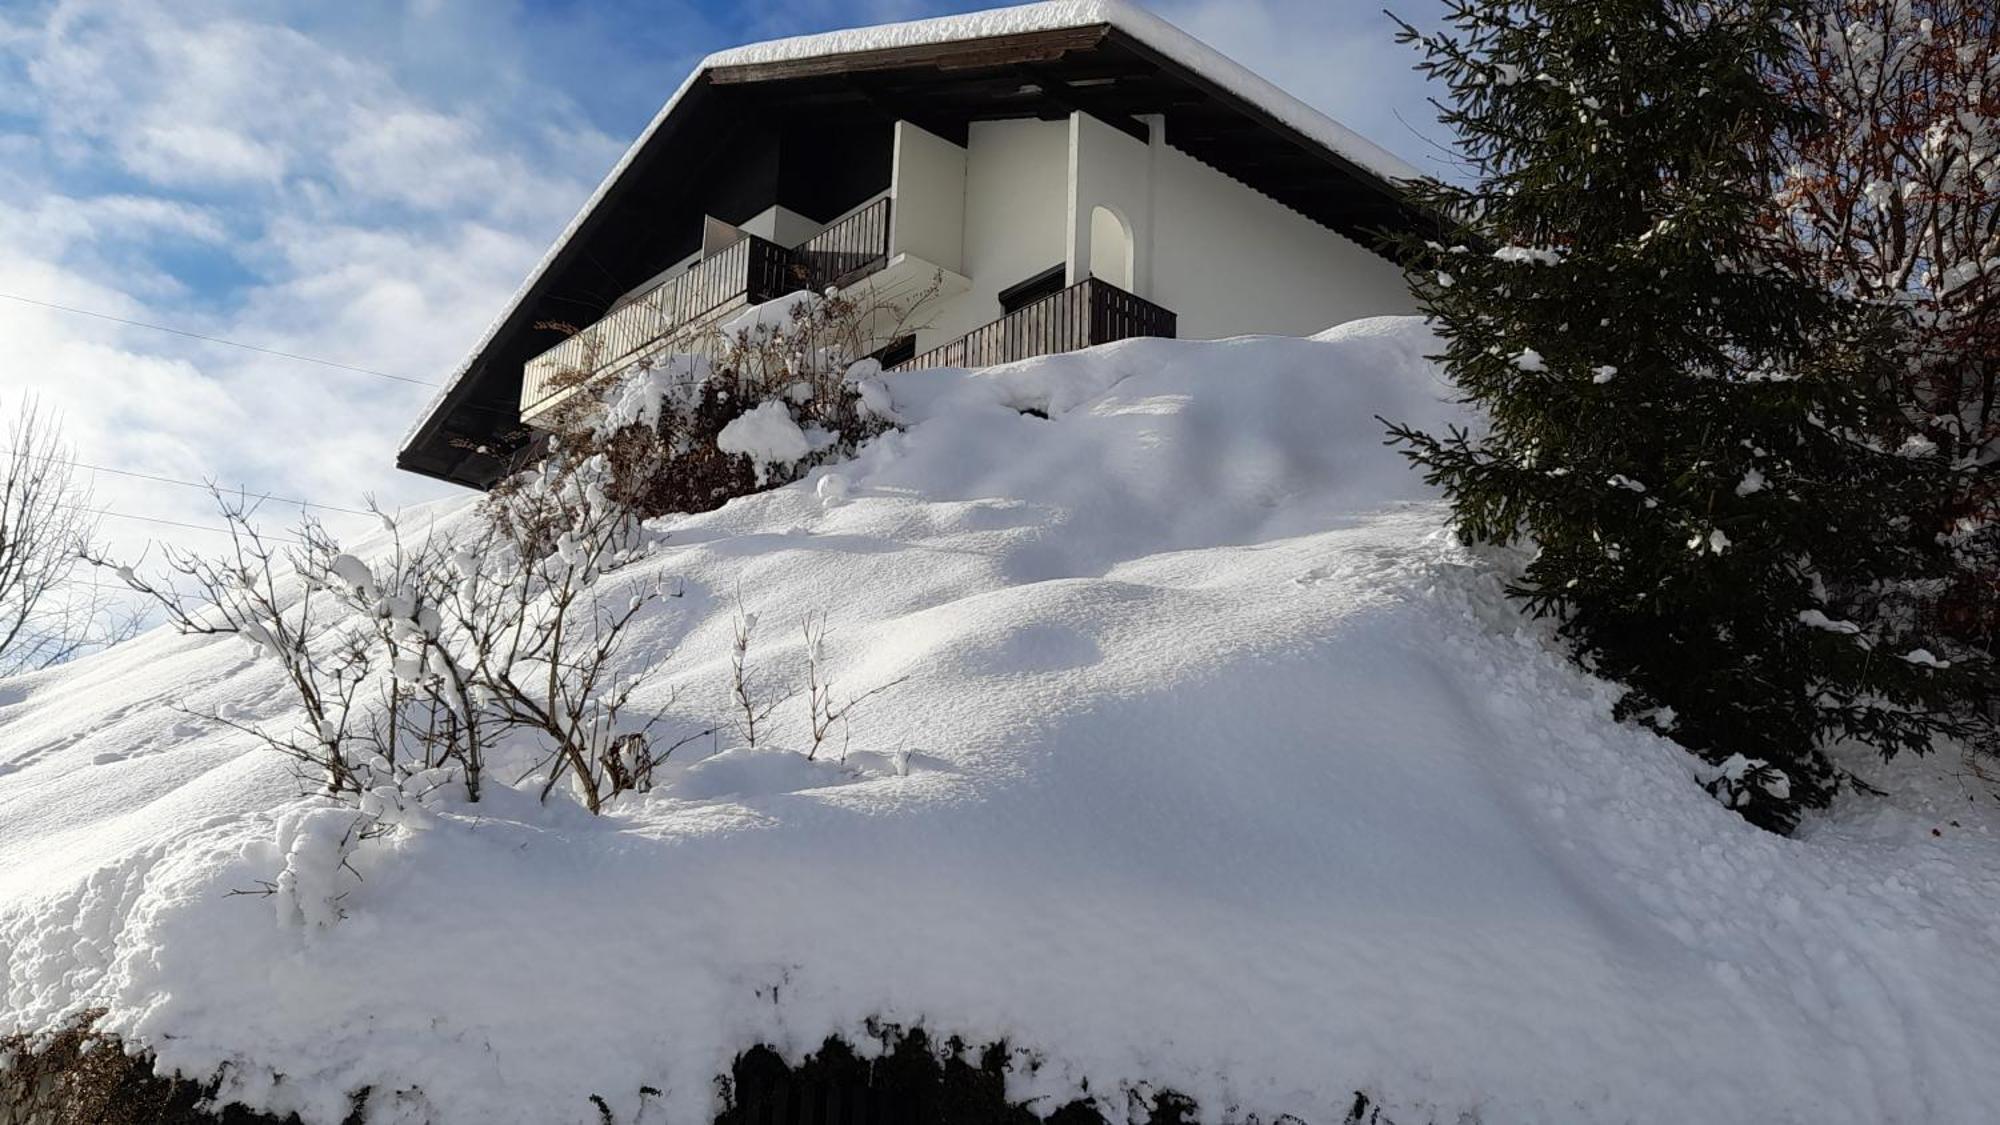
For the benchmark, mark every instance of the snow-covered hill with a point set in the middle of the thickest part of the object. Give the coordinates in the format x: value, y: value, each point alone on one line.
x: 1217, y: 766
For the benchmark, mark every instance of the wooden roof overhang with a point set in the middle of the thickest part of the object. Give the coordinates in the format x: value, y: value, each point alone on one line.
x: 474, y: 431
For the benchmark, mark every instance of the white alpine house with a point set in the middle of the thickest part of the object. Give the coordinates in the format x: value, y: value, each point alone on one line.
x: 1017, y: 182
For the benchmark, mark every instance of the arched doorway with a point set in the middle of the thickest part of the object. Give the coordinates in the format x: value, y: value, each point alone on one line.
x: 1110, y: 247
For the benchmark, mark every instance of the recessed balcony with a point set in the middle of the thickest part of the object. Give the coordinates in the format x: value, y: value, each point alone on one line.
x: 746, y: 272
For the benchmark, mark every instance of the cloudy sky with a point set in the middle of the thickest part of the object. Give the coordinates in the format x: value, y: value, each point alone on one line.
x: 366, y: 182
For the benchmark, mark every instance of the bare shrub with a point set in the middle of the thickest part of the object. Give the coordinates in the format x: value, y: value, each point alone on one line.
x: 409, y: 674
x: 46, y: 525
x: 542, y: 631
x: 744, y: 692
x: 1892, y: 191
x: 825, y: 710
x: 252, y: 591
x: 420, y: 671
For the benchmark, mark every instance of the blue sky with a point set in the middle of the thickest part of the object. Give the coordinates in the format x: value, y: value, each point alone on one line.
x: 367, y: 182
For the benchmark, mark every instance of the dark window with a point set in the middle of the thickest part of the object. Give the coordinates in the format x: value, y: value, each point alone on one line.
x: 1047, y: 283
x: 902, y: 351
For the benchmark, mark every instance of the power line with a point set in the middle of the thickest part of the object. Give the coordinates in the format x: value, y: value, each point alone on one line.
x: 189, y: 526
x: 219, y: 340
x: 205, y: 488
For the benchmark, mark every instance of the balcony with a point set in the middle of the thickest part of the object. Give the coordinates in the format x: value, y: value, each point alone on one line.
x: 748, y: 271
x: 1090, y: 312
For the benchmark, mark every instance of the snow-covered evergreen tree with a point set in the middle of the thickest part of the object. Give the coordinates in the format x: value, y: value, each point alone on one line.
x: 1676, y: 423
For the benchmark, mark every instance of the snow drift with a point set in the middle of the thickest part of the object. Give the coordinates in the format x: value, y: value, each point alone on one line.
x: 1217, y: 767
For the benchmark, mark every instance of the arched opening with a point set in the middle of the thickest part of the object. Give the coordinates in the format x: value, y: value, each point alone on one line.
x: 1110, y: 247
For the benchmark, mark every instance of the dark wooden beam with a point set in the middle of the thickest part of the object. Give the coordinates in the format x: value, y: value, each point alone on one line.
x: 897, y: 106
x: 1082, y: 99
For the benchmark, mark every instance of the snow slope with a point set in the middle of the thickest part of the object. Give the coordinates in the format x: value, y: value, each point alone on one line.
x: 1218, y: 766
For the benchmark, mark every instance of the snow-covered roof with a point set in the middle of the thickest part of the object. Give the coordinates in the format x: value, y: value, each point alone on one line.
x: 1049, y: 15
x: 1056, y: 15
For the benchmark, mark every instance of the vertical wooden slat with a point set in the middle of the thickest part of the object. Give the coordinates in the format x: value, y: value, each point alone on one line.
x: 848, y: 248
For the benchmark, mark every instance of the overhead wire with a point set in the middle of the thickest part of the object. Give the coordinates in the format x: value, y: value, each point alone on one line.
x: 205, y: 487
x: 217, y: 340
x: 181, y: 523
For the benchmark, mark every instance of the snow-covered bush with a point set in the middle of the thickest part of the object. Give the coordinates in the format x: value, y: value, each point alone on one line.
x: 540, y: 629
x: 754, y: 402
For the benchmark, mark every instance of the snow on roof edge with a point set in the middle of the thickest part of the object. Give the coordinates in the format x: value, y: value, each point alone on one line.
x: 1052, y: 15
x: 1047, y: 15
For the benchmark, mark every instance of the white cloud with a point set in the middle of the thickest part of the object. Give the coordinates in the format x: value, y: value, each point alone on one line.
x: 198, y: 165
x: 186, y: 153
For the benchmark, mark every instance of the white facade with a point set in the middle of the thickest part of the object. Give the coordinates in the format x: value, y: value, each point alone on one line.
x: 1022, y: 196
x: 1068, y: 200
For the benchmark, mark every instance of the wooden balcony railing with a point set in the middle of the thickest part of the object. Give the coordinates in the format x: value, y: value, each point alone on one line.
x: 1089, y: 312
x: 749, y: 271
x: 849, y: 250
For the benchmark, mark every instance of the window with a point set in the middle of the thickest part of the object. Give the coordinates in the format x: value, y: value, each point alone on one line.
x: 1047, y: 283
x: 902, y: 351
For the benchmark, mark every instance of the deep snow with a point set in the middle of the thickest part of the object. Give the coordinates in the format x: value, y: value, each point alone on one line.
x: 1218, y: 766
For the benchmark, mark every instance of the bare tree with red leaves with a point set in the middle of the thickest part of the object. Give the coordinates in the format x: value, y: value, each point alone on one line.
x: 1894, y: 196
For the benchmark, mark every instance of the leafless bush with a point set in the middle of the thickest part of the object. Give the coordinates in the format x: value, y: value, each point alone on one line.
x: 251, y: 591
x: 825, y: 710
x: 1892, y: 190
x: 410, y: 673
x: 542, y: 632
x: 754, y: 704
x: 46, y: 525
x: 417, y: 672
x: 752, y: 708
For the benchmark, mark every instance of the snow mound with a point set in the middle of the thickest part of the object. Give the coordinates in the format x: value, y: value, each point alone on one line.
x: 1214, y: 765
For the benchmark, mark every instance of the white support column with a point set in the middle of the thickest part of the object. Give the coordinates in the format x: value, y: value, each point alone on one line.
x: 1108, y: 169
x: 927, y: 186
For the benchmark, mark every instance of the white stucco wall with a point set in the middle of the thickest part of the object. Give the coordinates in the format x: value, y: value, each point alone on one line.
x: 1112, y: 170
x: 1226, y: 259
x: 1016, y: 218
x: 927, y: 215
x: 1231, y: 261
x: 780, y: 224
